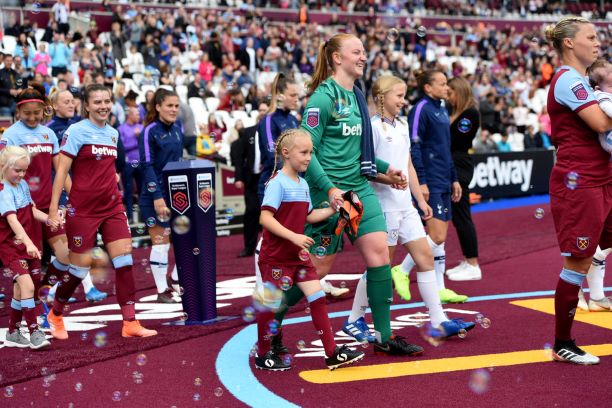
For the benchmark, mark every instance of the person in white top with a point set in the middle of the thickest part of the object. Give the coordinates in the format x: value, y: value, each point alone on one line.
x: 404, y: 226
x: 600, y: 78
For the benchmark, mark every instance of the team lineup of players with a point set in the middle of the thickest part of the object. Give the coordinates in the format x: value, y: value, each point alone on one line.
x: 338, y: 172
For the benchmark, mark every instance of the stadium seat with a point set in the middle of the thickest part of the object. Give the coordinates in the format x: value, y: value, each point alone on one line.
x: 181, y: 90
x: 212, y: 104
x: 9, y: 43
x: 240, y: 114
x: 199, y: 110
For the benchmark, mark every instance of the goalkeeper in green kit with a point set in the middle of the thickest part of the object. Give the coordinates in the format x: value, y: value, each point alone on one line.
x: 343, y: 161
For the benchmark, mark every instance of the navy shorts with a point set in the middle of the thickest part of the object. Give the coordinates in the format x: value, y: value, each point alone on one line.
x: 148, y: 214
x: 440, y: 204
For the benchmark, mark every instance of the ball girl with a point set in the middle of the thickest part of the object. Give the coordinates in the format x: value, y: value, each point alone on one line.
x: 404, y: 226
x: 89, y: 150
x: 19, y: 223
x: 285, y: 210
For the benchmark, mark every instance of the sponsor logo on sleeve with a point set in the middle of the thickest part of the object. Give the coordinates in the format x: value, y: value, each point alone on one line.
x: 312, y: 117
x: 580, y: 91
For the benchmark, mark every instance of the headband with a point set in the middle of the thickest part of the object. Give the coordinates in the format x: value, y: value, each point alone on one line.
x: 30, y: 100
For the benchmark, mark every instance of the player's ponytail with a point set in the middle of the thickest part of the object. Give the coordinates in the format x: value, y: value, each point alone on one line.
x: 158, y: 98
x: 10, y: 155
x: 324, y: 66
x: 285, y: 140
x: 381, y: 86
x: 567, y: 27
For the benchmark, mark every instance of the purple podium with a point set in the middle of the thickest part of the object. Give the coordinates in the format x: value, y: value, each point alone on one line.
x: 190, y: 188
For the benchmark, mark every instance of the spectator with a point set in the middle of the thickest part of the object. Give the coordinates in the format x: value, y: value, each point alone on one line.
x: 196, y: 88
x: 187, y: 119
x: 216, y: 127
x: 487, y: 113
x: 503, y: 145
x: 60, y: 54
x: 118, y: 40
x: 10, y: 85
x: 484, y: 143
x: 59, y: 15
x: 42, y: 59
x: 213, y: 49
x: 533, y: 140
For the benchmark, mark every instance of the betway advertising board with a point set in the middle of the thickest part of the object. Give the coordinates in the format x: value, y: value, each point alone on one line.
x: 498, y: 175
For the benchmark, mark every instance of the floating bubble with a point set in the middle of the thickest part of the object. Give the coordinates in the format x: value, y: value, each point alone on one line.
x: 166, y: 231
x: 140, y: 229
x: 36, y: 6
x: 365, y: 344
x: 71, y: 212
x: 548, y: 351
x: 479, y: 381
x: 66, y: 278
x: 197, y: 382
x: 393, y: 35
x: 151, y: 222
x: 538, y: 213
x: 43, y: 293
x: 151, y: 186
x: 320, y: 252
x: 253, y: 351
x: 196, y: 251
x: 117, y: 396
x: 100, y: 339
x: 184, y: 316
x: 196, y: 397
x: 248, y: 314
x: 303, y: 255
x: 84, y: 336
x: 138, y: 377
x: 343, y: 284
x: 134, y: 163
x: 433, y: 335
x: 462, y: 333
x: 479, y: 318
x: 141, y: 359
x: 98, y: 157
x: 97, y: 253
x: 421, y: 31
x: 78, y: 387
x: 52, y: 280
x: 485, y: 323
x: 286, y: 283
x: 302, y: 273
x: 7, y: 273
x: 218, y: 392
x: 269, y: 299
x: 307, y: 310
x: 301, y: 345
x: 571, y: 180
x: 535, y: 40
x: 273, y: 327
x: 324, y: 204
x: 229, y: 214
x: 287, y: 359
x: 181, y: 225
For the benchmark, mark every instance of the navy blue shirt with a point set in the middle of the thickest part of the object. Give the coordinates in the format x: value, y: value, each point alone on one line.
x: 160, y: 144
x: 59, y: 125
x: 431, y: 153
x: 269, y: 129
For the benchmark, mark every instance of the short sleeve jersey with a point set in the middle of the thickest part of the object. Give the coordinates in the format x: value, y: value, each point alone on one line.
x: 93, y: 149
x: 42, y: 144
x: 333, y: 120
x: 289, y: 200
x: 16, y: 200
x: 392, y: 144
x: 578, y: 148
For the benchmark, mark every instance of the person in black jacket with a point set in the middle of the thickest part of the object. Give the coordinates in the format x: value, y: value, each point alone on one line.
x: 247, y: 163
x: 465, y: 122
x: 10, y: 85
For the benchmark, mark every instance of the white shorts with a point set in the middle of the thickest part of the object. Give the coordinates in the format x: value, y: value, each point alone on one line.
x: 404, y: 226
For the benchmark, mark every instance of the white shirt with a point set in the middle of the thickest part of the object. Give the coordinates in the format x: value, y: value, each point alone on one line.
x: 60, y: 11
x: 392, y: 144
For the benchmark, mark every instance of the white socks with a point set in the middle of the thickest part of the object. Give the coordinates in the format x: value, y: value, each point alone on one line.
x: 174, y: 273
x: 360, y: 302
x: 428, y: 288
x: 407, y: 264
x: 439, y: 255
x: 596, y: 274
x: 159, y: 265
x: 87, y: 283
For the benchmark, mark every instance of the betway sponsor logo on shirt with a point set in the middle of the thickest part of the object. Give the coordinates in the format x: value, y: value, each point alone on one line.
x: 35, y: 149
x: 351, y: 130
x: 495, y: 172
x: 103, y: 151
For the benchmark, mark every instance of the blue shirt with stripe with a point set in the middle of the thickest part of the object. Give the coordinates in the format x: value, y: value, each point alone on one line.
x: 431, y: 153
x: 159, y: 144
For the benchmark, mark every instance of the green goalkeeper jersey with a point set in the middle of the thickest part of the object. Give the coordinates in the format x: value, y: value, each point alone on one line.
x: 333, y: 120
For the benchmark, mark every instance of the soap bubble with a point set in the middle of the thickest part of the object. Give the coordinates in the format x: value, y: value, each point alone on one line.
x: 479, y: 381
x: 538, y: 213
x: 421, y: 31
x: 393, y: 34
x: 151, y: 186
x: 286, y: 283
x: 248, y: 314
x: 181, y: 225
x: 141, y: 359
x: 320, y: 252
x: 303, y: 255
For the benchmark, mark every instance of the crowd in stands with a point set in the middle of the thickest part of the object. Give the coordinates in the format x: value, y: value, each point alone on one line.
x: 222, y: 64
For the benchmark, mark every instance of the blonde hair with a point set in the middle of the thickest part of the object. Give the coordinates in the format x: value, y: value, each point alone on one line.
x: 381, y: 86
x: 464, y: 99
x: 286, y: 140
x: 11, y: 155
x: 324, y: 66
x: 279, y: 86
x: 567, y: 27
